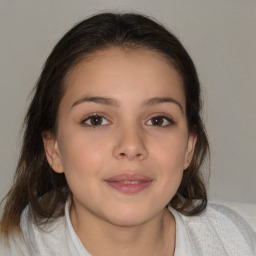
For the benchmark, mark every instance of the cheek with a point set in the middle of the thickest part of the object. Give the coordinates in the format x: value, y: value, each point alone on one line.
x: 82, y: 162
x: 171, y: 152
x: 81, y: 153
x: 170, y: 157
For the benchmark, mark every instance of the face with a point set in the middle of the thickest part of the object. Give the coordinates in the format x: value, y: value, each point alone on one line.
x: 122, y: 138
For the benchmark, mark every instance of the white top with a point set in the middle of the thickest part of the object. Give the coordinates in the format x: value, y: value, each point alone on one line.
x: 217, y: 231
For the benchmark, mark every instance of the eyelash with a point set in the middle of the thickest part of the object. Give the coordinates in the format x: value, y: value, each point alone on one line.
x: 102, y: 121
x: 164, y: 119
x: 89, y: 118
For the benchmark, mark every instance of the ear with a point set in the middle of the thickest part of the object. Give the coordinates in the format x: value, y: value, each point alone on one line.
x: 190, y: 149
x: 52, y: 152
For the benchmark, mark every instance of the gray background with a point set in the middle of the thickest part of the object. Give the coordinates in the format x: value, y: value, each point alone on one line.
x: 219, y: 35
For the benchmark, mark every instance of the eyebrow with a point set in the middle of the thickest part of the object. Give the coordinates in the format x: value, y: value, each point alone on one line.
x: 98, y: 100
x: 158, y: 100
x: 116, y: 103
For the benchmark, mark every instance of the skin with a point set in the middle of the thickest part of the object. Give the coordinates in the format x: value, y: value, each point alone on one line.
x: 130, y: 139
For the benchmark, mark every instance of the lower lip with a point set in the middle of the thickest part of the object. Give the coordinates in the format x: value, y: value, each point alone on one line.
x: 129, y: 188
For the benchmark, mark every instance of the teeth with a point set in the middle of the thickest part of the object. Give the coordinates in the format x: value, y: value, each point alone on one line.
x: 130, y: 182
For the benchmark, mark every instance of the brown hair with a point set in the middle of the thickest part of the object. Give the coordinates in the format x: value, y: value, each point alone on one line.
x: 35, y: 182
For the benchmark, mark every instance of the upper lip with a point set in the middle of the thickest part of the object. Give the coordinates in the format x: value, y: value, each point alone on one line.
x: 129, y: 177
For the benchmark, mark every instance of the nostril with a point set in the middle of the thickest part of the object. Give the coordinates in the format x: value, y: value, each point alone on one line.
x: 122, y: 155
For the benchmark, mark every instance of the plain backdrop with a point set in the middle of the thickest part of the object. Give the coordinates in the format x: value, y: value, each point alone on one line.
x: 220, y: 37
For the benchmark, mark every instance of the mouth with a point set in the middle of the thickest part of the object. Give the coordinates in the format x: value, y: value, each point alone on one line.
x: 128, y: 183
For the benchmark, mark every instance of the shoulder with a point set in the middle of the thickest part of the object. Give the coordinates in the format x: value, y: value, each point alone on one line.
x: 13, y: 245
x: 47, y: 238
x: 246, y: 210
x: 221, y: 229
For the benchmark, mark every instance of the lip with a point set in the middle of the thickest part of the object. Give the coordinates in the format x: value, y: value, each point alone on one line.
x: 129, y: 183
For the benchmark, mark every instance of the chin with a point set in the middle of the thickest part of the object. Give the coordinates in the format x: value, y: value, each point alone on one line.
x: 130, y: 217
x: 130, y: 221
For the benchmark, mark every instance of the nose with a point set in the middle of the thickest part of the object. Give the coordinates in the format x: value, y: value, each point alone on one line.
x: 130, y: 144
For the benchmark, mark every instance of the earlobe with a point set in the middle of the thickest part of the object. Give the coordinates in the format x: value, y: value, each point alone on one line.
x: 52, y: 152
x: 190, y: 149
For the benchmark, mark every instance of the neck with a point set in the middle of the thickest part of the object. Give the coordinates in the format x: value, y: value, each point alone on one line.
x: 154, y: 237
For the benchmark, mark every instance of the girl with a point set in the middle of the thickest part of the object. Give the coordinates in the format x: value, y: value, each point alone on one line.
x: 112, y: 150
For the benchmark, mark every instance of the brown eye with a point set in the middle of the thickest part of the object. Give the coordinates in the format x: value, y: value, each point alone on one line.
x: 95, y: 120
x: 159, y: 121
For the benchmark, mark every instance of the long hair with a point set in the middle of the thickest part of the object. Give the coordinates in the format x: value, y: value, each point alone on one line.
x: 35, y: 182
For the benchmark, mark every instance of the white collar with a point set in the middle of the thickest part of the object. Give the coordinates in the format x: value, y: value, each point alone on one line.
x: 60, y: 238
x: 182, y: 245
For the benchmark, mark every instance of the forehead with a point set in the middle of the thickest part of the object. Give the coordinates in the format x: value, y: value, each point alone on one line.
x: 112, y: 71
